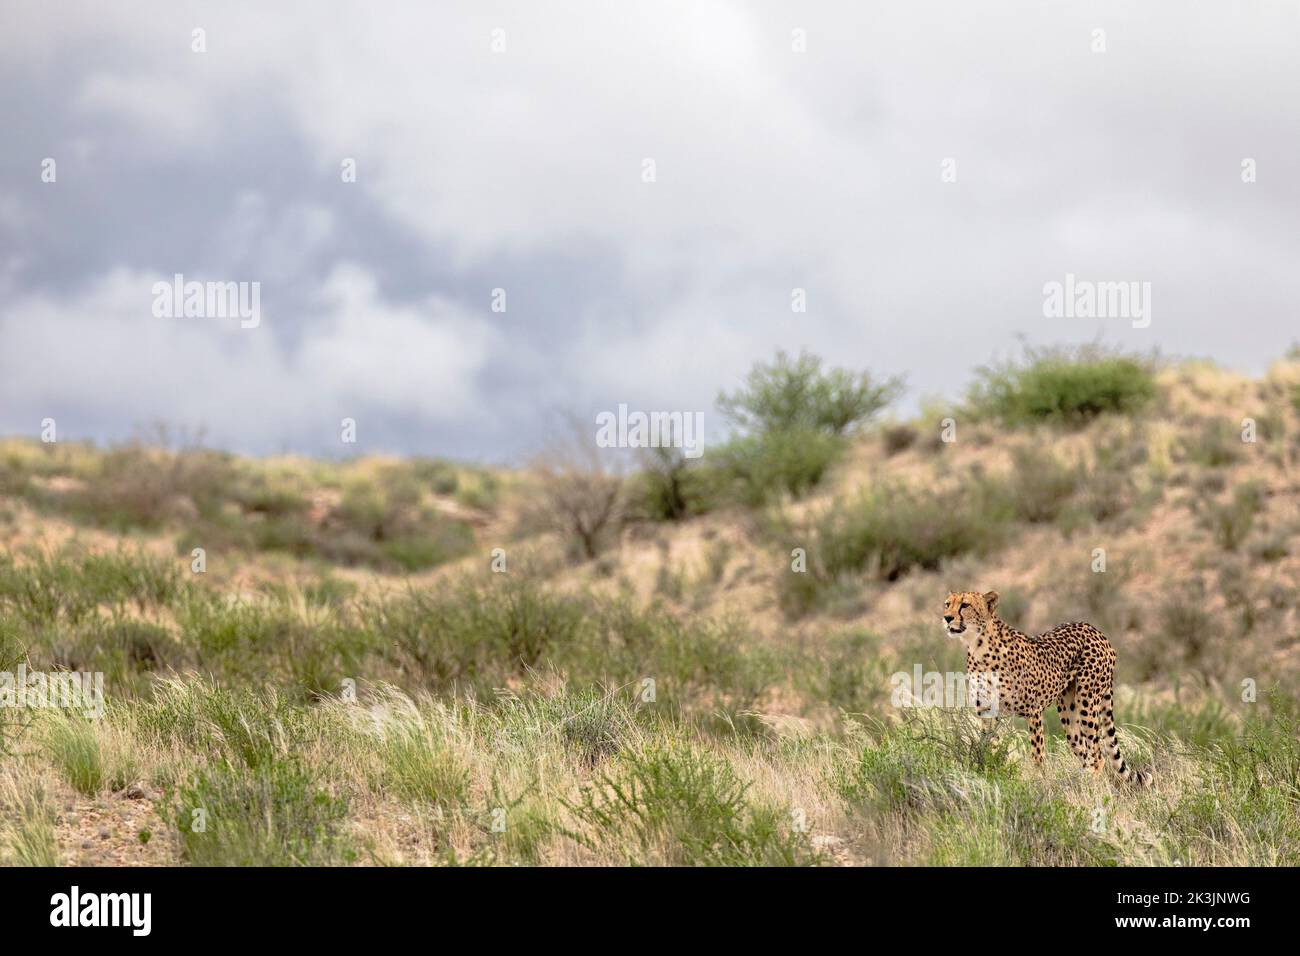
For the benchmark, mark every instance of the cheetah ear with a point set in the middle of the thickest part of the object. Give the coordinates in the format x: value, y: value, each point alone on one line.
x: 991, y: 599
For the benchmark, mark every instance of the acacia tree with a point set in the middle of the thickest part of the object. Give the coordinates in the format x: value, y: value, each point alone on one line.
x: 792, y: 416
x: 792, y: 393
x: 583, y: 498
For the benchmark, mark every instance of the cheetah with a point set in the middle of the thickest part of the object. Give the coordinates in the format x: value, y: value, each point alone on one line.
x: 1072, y: 665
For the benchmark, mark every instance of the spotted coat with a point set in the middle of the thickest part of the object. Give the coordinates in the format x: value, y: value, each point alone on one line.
x: 1071, y: 666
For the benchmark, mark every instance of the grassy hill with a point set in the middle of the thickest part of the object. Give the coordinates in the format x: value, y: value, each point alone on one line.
x: 418, y: 662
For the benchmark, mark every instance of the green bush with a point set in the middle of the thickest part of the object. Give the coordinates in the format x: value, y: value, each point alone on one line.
x: 890, y: 529
x: 243, y: 727
x: 790, y: 422
x: 277, y: 814
x: 419, y: 767
x: 256, y: 639
x: 28, y: 832
x: 70, y: 585
x: 439, y: 543
x: 383, y: 525
x: 260, y: 496
x: 1200, y: 724
x: 940, y: 771
x: 439, y: 475
x: 1230, y: 522
x: 1062, y: 386
x: 1187, y: 627
x: 1244, y: 812
x: 74, y: 747
x: 684, y: 806
x: 671, y: 486
x: 472, y: 637
x: 1032, y: 828
x: 14, y: 480
x: 894, y: 774
x: 291, y: 534
x: 1039, y: 485
x: 139, y: 487
x: 755, y: 469
x: 1266, y: 755
x: 796, y: 394
x: 482, y: 494
x: 792, y: 417
x: 479, y: 637
x: 14, y: 721
x: 1108, y: 492
x: 223, y: 505
x: 845, y: 673
x: 128, y: 651
x: 593, y: 724
x: 1216, y: 444
x: 701, y: 663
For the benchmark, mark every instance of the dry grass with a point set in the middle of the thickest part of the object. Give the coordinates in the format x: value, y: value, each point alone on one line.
x: 504, y: 718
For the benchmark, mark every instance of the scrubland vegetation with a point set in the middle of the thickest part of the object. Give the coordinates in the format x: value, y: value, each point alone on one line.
x: 388, y: 661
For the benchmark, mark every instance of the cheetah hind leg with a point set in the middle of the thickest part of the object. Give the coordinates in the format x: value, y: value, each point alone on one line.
x: 1067, y: 708
x: 1036, y: 736
x: 1089, y: 720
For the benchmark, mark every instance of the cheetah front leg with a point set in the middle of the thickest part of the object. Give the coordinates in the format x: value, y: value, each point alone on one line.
x: 1089, y: 714
x: 1036, y: 736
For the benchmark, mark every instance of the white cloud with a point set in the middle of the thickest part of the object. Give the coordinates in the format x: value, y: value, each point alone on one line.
x: 414, y: 361
x: 173, y: 112
x: 101, y: 350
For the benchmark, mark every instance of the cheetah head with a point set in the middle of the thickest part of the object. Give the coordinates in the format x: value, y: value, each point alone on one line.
x: 968, y: 609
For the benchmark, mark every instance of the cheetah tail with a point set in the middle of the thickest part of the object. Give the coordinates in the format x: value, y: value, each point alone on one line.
x: 1110, y: 745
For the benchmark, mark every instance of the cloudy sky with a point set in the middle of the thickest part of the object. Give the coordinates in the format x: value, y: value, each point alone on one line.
x: 504, y: 146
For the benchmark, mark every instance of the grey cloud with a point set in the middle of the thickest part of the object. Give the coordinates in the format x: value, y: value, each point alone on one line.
x: 521, y: 170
